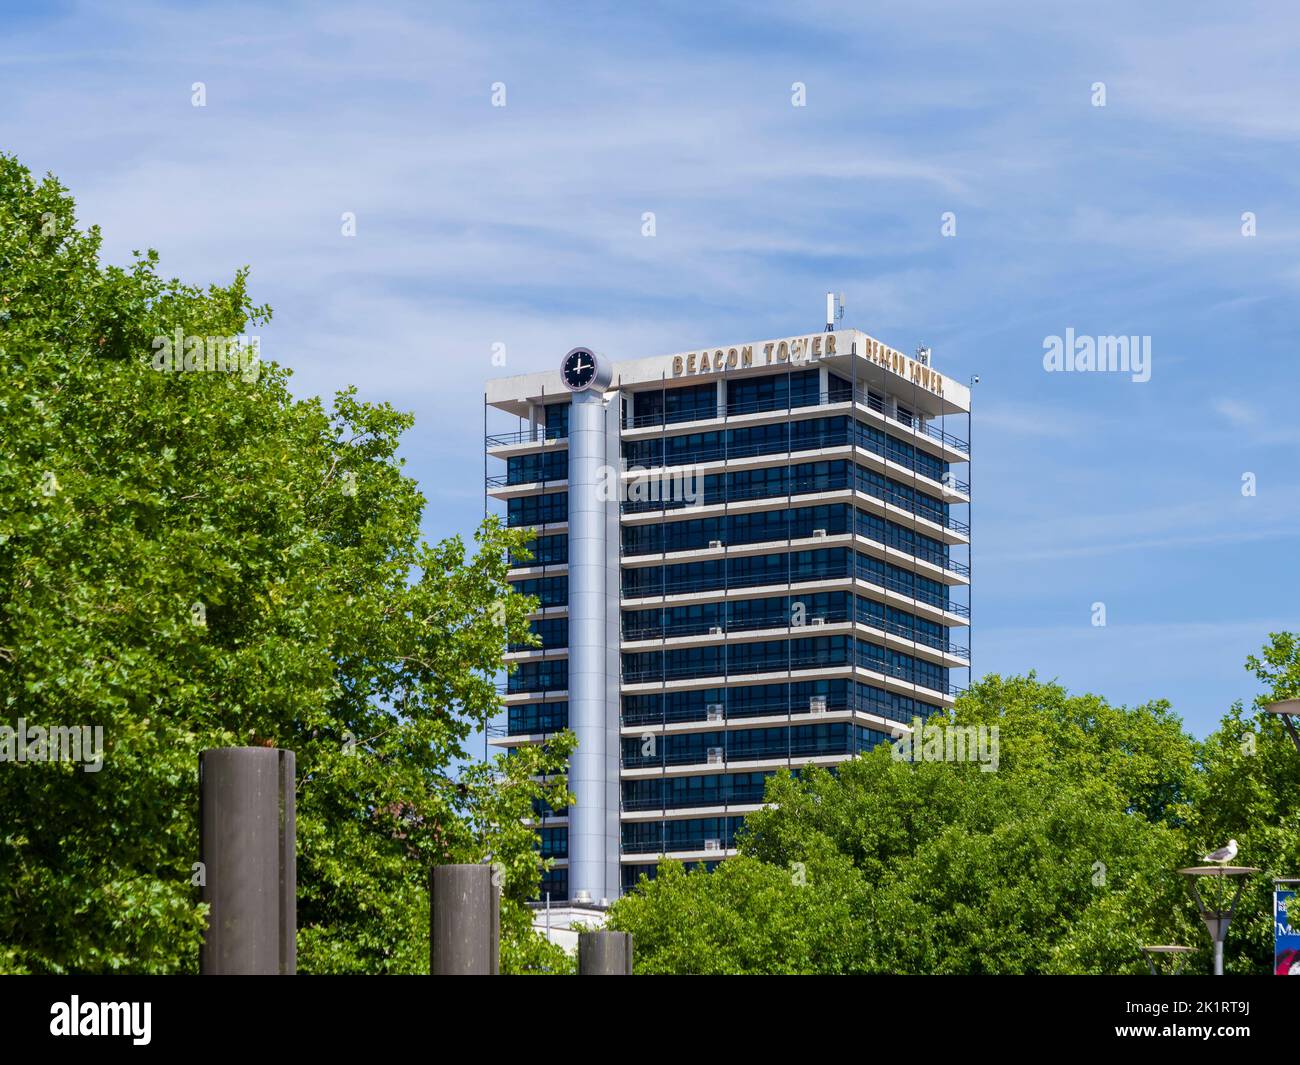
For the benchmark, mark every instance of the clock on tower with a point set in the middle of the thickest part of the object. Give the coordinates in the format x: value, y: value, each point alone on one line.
x: 583, y: 370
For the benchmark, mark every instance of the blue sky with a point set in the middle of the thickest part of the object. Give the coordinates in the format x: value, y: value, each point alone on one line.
x: 522, y: 225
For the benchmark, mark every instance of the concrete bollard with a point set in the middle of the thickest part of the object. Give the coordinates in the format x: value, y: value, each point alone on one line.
x: 247, y: 845
x: 464, y: 921
x: 605, y: 953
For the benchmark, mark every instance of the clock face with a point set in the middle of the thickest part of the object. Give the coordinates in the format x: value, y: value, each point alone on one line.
x: 579, y: 369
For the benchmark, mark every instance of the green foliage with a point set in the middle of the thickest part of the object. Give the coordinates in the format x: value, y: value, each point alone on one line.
x: 197, y: 559
x: 1251, y: 793
x: 747, y: 917
x: 1060, y: 861
x: 497, y: 804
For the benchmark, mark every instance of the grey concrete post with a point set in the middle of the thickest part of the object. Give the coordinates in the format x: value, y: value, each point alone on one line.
x: 604, y: 953
x: 247, y: 846
x: 464, y: 921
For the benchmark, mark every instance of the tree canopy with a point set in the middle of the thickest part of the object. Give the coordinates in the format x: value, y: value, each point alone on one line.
x: 1064, y: 860
x: 191, y: 557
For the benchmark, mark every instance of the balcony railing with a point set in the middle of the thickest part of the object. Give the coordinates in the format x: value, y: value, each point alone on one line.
x: 672, y: 846
x: 801, y: 486
x: 650, y: 631
x: 814, y: 573
x: 799, y: 749
x: 791, y: 707
x: 539, y: 435
x: 734, y: 797
x: 788, y: 664
x: 816, y: 442
x: 537, y: 727
x: 513, y: 687
x: 515, y: 647
x: 714, y: 411
x: 502, y: 480
x: 765, y: 708
x: 805, y: 532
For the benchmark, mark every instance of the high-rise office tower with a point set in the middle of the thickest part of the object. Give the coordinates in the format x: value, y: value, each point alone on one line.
x: 748, y: 557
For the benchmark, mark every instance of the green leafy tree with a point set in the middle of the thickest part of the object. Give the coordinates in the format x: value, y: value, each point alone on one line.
x: 1061, y: 860
x: 191, y: 558
x: 1251, y: 782
x: 748, y: 916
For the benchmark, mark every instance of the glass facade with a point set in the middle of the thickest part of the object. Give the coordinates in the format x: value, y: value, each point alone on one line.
x: 811, y: 434
x: 688, y: 834
x: 538, y: 510
x: 725, y: 672
x: 805, y: 478
x: 770, y: 526
x: 780, y: 656
x: 552, y: 632
x: 556, y: 420
x: 809, y: 608
x: 550, y: 591
x: 550, y: 550
x: 751, y: 745
x: 530, y: 718
x: 672, y: 405
x: 796, y: 567
x: 766, y: 700
x: 539, y: 466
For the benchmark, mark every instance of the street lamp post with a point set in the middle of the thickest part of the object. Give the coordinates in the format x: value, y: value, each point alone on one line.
x: 1177, y: 955
x: 1287, y: 710
x: 1218, y: 912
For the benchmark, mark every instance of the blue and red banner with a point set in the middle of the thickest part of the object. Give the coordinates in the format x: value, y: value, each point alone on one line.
x: 1286, y: 940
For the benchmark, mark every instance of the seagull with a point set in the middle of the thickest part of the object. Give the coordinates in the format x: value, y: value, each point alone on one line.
x: 1224, y: 854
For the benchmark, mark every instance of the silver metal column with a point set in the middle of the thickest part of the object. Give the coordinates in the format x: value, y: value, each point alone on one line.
x: 464, y: 921
x: 587, y: 645
x: 247, y: 845
x: 613, y: 659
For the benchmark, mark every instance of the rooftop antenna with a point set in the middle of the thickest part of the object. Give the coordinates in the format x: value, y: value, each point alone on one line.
x: 923, y: 355
x: 834, y: 310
